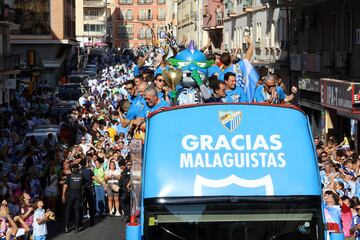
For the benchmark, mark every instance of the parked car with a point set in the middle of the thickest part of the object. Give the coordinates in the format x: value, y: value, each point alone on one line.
x: 40, y: 137
x: 78, y: 79
x: 71, y: 92
x: 63, y: 108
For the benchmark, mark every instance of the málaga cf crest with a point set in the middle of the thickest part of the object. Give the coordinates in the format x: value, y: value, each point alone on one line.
x: 230, y: 119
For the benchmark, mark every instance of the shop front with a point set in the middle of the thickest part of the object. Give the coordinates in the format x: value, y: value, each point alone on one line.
x: 341, y: 101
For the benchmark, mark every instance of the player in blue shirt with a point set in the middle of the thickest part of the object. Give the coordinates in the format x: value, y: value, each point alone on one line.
x: 233, y: 93
x: 153, y: 102
x: 269, y: 92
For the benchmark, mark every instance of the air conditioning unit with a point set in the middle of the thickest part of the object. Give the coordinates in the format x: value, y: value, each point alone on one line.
x: 295, y: 62
x: 327, y: 59
x: 340, y: 59
x: 265, y: 41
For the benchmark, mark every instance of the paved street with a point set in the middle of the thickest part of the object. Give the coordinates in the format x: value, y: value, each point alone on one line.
x: 109, y: 228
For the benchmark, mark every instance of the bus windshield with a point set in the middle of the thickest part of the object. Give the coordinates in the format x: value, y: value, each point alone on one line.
x: 234, y: 221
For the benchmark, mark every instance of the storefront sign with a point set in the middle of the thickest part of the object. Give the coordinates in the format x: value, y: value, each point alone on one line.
x: 340, y: 95
x: 356, y: 98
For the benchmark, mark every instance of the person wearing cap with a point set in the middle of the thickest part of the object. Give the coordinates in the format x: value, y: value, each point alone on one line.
x: 72, y: 196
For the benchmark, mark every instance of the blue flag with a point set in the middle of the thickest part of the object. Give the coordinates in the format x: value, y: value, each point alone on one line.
x: 246, y: 77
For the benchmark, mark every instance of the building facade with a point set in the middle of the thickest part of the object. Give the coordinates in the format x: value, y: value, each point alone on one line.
x: 47, y: 29
x: 324, y: 48
x: 213, y: 21
x: 190, y: 21
x: 9, y: 63
x: 267, y: 25
x: 138, y: 22
x: 91, y: 22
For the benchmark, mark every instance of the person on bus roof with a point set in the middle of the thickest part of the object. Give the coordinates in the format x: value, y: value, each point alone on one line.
x: 269, y: 92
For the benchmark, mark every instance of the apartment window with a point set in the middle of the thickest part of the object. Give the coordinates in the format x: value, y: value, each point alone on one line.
x: 241, y: 37
x: 148, y: 14
x: 226, y: 39
x: 142, y: 33
x: 91, y: 15
x: 125, y: 1
x: 148, y: 33
x: 272, y: 34
x: 258, y: 32
x: 129, y: 28
x: 129, y: 14
x: 161, y: 14
x: 142, y: 13
x: 94, y: 28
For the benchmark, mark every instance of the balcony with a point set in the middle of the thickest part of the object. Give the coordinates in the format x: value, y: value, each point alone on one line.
x: 126, y: 2
x: 160, y: 2
x: 145, y: 2
x: 230, y: 8
x: 96, y: 4
x: 125, y: 35
x: 248, y: 6
x: 161, y: 18
x: 94, y: 18
x: 8, y: 63
x: 145, y: 18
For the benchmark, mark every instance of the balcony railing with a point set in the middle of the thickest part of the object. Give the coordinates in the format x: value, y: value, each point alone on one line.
x: 126, y: 35
x: 161, y: 2
x: 8, y: 63
x: 161, y: 18
x: 94, y: 18
x: 126, y: 2
x: 145, y: 2
x: 145, y: 18
x: 94, y: 4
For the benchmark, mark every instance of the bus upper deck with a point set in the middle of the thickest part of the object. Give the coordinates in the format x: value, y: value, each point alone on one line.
x: 230, y: 171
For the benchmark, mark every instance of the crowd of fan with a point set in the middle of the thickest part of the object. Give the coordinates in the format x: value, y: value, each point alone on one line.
x: 339, y: 171
x: 98, y: 133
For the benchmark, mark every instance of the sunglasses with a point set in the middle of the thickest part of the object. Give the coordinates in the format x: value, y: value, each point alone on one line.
x: 160, y: 80
x: 357, y: 209
x: 270, y: 86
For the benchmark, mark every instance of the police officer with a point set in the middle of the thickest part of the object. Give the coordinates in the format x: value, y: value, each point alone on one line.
x: 124, y: 189
x: 72, y: 196
x: 88, y: 189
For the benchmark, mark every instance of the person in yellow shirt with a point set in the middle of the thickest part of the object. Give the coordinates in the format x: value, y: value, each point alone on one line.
x: 112, y: 131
